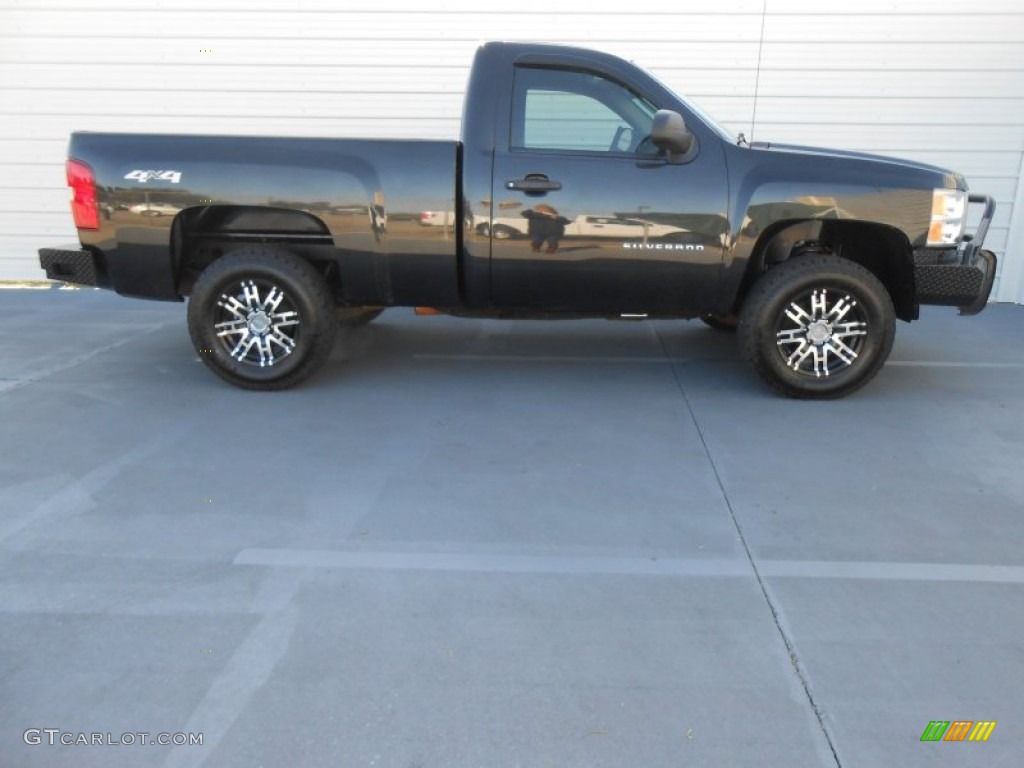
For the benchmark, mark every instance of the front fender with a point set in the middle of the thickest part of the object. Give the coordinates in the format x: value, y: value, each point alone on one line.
x: 775, y: 190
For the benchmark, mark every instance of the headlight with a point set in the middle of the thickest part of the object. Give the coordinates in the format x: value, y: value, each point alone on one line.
x: 949, y: 208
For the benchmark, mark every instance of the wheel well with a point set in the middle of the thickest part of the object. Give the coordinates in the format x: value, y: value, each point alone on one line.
x: 883, y: 250
x: 200, y: 236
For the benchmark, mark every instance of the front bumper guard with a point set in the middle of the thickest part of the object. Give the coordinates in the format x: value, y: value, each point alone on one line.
x: 963, y: 277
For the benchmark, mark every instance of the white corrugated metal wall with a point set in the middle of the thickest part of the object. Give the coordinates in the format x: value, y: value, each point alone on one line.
x: 934, y: 80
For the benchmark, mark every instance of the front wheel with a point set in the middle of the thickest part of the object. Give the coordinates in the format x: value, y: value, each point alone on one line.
x: 817, y: 327
x: 262, y: 318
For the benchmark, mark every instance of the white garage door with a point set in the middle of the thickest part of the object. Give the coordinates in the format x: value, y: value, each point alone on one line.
x: 933, y: 80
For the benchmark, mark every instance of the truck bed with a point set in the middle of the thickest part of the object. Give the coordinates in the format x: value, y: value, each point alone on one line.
x: 360, y: 197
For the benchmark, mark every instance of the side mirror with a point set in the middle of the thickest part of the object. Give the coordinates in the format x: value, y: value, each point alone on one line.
x: 669, y: 132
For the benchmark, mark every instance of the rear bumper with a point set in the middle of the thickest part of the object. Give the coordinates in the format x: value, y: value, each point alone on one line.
x: 74, y: 265
x: 961, y: 276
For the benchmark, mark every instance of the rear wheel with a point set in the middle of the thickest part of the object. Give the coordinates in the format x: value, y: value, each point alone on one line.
x: 817, y: 327
x: 262, y: 318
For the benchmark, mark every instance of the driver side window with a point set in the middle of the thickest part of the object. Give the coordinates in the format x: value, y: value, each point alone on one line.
x: 557, y: 109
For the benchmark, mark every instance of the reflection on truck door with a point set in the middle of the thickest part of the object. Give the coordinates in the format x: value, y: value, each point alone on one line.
x: 577, y: 144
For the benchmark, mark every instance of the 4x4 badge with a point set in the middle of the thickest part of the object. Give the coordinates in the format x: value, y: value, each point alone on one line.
x: 143, y: 176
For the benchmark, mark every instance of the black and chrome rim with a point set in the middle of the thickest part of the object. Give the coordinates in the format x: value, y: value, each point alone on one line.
x: 822, y: 332
x: 258, y: 325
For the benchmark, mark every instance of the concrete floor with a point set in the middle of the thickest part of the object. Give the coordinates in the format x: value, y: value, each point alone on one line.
x: 500, y: 544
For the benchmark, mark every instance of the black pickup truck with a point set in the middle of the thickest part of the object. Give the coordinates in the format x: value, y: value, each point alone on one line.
x: 581, y: 187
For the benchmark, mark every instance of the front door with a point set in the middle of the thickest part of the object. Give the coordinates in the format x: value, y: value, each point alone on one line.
x: 587, y: 215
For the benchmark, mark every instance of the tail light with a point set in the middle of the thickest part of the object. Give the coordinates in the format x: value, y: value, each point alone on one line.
x: 83, y: 195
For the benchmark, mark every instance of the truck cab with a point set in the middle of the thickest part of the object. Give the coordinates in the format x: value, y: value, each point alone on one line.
x: 572, y: 130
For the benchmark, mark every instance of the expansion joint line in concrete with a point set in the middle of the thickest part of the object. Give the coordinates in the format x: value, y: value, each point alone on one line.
x: 794, y: 659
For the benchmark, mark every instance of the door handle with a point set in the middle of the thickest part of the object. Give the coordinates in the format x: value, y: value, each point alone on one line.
x: 534, y: 184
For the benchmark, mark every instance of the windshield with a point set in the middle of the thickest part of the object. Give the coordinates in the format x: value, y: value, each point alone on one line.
x: 704, y: 116
x: 709, y: 121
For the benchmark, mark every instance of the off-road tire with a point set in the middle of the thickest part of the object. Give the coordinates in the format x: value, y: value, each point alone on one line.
x: 859, y: 340
x: 303, y: 316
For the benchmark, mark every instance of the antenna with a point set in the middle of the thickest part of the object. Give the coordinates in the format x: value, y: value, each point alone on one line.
x: 757, y: 76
